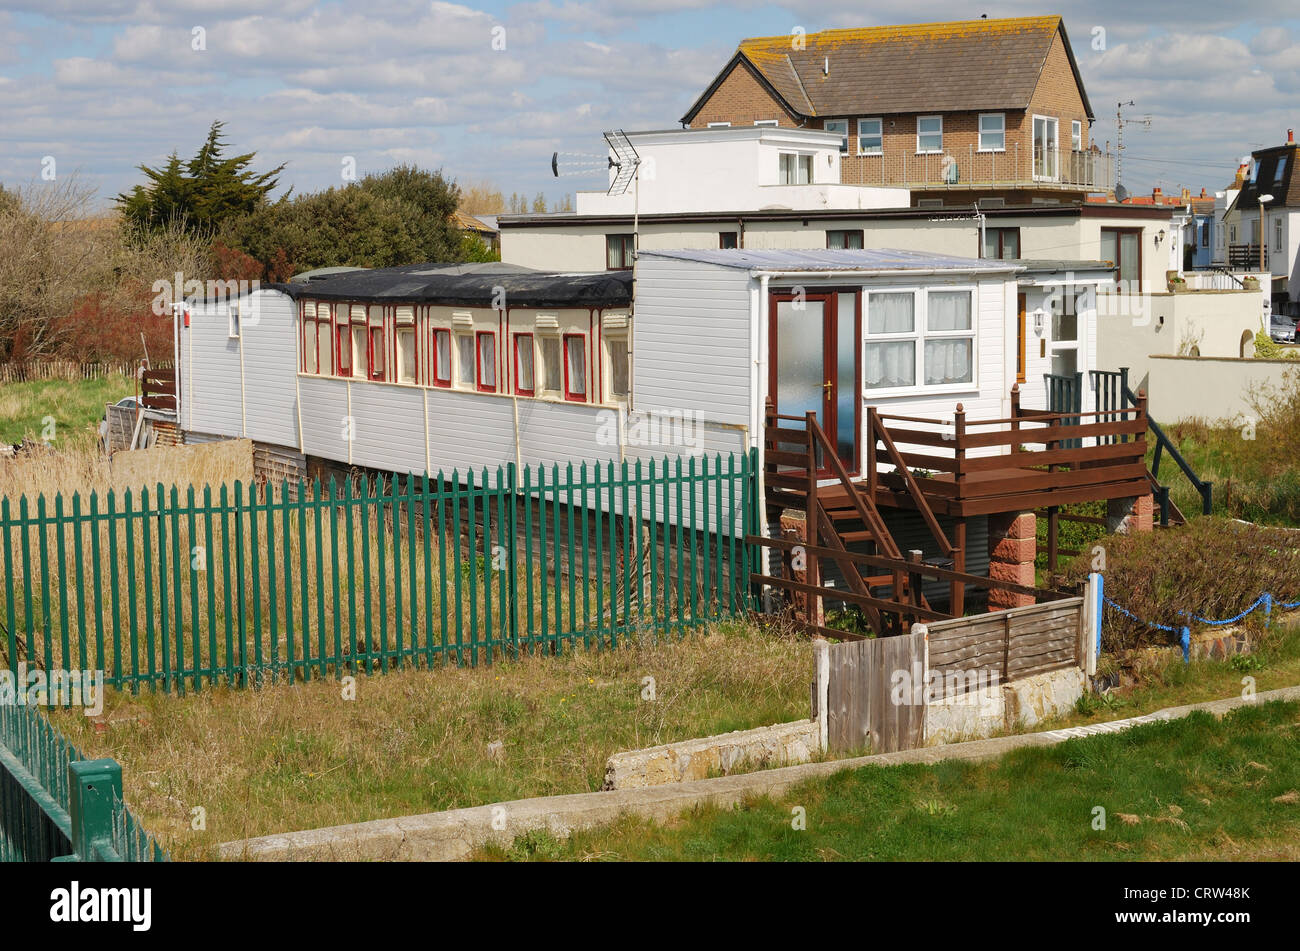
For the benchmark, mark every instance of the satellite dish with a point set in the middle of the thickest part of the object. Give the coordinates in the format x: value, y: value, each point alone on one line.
x: 1121, y: 193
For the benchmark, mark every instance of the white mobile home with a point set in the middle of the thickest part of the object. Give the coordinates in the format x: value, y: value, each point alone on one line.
x: 436, y: 368
x: 439, y: 368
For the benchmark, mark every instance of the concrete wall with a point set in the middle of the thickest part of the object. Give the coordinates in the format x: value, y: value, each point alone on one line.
x: 1019, y: 704
x: 1209, y: 388
x: 736, y: 169
x: 780, y: 745
x: 1217, y: 323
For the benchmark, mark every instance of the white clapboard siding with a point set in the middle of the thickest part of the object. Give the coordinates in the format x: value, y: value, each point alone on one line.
x: 691, y: 339
x: 469, y: 431
x: 211, y: 390
x: 325, y: 410
x: 388, y: 426
x: 270, y: 339
x: 567, y: 432
x: 257, y: 400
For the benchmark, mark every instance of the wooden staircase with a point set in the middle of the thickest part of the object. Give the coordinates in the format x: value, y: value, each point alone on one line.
x: 842, y: 519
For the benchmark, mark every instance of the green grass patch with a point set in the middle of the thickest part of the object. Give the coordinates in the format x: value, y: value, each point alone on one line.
x: 1190, y: 788
x: 285, y: 758
x: 75, y: 405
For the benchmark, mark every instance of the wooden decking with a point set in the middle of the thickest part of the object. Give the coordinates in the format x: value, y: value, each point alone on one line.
x: 957, y: 468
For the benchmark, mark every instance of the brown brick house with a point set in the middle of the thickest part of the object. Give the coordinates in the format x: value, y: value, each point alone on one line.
x: 954, y: 111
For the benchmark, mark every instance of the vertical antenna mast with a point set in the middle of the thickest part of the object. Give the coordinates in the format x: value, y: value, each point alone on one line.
x: 628, y: 163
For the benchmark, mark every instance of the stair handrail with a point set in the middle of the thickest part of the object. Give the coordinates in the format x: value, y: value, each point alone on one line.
x: 877, y: 430
x: 1164, y: 443
x: 866, y: 509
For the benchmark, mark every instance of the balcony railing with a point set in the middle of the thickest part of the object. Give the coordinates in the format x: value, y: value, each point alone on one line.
x: 1246, y: 256
x: 1065, y: 169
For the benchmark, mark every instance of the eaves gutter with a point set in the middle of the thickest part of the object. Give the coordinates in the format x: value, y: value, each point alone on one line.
x: 882, y: 272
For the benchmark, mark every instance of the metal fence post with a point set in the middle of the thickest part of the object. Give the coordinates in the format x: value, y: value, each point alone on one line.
x: 92, y: 786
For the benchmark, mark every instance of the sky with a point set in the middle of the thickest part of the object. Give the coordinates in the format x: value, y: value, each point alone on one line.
x: 487, y: 91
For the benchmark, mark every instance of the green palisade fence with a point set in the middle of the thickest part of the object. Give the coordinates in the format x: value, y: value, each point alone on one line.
x: 56, y: 805
x: 249, y: 585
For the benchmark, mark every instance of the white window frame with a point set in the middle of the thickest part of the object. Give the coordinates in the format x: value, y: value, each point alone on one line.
x: 919, y: 334
x: 800, y: 158
x: 1057, y: 345
x: 842, y: 127
x: 626, y: 339
x: 404, y: 340
x: 543, y: 386
x: 1076, y: 135
x: 919, y: 133
x: 766, y: 123
x: 232, y: 320
x: 458, y: 361
x: 880, y: 125
x: 1002, y: 117
x: 720, y: 125
x: 1055, y: 174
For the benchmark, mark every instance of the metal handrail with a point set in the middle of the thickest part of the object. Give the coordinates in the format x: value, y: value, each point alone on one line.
x: 1163, y: 442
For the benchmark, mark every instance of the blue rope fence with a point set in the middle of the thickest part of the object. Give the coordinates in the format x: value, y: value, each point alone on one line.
x: 1184, y: 632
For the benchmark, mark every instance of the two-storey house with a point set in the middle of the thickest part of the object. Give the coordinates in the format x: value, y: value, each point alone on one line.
x: 977, y: 109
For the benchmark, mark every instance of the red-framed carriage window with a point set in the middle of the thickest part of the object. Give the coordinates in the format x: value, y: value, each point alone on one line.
x: 377, y: 352
x: 575, y: 367
x: 441, y: 361
x: 525, y: 365
x: 485, y: 346
x: 343, y: 348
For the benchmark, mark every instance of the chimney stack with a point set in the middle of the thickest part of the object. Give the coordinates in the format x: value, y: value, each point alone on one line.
x: 1290, y: 136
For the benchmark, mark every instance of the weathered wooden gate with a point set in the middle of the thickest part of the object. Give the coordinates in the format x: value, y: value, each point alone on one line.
x: 864, y: 708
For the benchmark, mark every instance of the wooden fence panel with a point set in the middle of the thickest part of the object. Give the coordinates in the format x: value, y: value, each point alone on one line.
x: 1011, y: 644
x: 861, y: 707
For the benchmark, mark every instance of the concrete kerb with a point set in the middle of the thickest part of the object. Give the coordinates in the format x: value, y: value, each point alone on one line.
x: 453, y: 835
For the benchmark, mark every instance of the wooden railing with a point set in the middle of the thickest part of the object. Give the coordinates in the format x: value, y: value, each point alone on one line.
x: 158, y: 389
x: 970, y: 464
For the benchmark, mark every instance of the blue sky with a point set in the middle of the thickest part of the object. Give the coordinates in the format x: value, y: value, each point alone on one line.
x: 103, y: 85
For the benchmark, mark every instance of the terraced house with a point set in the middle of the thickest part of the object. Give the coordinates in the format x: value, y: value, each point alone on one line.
x: 976, y: 109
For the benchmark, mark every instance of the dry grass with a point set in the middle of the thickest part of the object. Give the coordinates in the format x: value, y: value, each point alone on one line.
x: 82, y: 468
x: 287, y: 758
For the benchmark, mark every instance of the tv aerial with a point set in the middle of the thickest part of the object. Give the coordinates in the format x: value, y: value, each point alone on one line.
x: 622, y: 159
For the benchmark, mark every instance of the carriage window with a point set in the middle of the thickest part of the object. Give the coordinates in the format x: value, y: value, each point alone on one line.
x: 525, y: 384
x: 575, y: 367
x: 552, y: 367
x: 442, y: 358
x: 487, y: 361
x: 405, y: 354
x: 618, y: 368
x: 464, y: 360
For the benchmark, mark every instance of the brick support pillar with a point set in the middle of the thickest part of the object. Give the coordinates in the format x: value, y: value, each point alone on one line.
x: 794, y: 529
x: 1131, y: 514
x: 1013, y: 543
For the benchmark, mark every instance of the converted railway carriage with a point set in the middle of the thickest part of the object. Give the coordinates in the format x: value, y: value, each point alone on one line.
x: 907, y: 390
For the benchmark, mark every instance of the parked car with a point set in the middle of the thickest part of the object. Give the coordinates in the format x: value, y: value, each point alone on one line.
x: 1281, y: 328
